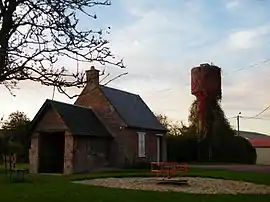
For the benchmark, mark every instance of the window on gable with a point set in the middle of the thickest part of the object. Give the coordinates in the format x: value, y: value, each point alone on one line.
x: 141, y: 144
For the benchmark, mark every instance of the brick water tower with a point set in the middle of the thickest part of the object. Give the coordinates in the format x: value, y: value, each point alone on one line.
x: 206, y: 86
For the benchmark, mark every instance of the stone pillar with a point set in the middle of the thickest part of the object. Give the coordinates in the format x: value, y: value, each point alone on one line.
x: 33, y: 154
x: 68, y: 154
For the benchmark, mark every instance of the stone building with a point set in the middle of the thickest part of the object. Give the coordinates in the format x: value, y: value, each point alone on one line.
x: 105, y: 127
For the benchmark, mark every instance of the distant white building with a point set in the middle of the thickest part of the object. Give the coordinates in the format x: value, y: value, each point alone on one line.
x: 261, y: 142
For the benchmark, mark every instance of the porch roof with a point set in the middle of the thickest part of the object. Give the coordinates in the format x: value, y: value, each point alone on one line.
x: 80, y: 120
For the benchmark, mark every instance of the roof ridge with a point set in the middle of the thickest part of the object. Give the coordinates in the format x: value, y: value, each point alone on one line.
x: 73, y: 105
x: 253, y: 132
x: 123, y: 91
x: 71, y: 114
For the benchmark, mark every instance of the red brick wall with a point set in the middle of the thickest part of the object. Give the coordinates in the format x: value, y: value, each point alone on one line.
x: 96, y: 100
x: 90, y: 153
x: 125, y: 149
x: 51, y: 121
x: 150, y: 145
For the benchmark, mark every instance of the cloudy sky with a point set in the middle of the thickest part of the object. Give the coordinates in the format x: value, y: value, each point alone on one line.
x: 161, y: 41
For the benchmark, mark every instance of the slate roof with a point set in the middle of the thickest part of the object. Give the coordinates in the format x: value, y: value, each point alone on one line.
x: 80, y: 120
x: 251, y: 135
x: 132, y: 109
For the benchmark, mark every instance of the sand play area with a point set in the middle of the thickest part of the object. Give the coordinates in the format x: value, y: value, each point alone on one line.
x: 195, y: 185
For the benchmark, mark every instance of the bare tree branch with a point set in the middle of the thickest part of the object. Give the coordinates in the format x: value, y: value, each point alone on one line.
x: 36, y: 34
x: 87, y: 91
x: 118, y: 76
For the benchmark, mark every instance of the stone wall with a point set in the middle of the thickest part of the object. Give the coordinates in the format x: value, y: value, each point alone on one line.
x: 33, y: 154
x: 68, y: 154
x: 50, y: 122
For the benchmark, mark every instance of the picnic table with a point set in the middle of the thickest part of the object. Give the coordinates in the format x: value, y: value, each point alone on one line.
x: 168, y: 169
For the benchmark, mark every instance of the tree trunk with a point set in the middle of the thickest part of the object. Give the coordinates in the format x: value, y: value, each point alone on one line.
x: 10, y: 165
x: 5, y: 33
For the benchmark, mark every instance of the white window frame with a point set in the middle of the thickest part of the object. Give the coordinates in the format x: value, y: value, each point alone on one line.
x: 141, y: 144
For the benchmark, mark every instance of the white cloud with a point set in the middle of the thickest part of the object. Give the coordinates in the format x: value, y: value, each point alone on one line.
x: 159, y: 41
x: 249, y: 38
x: 243, y: 39
x: 232, y: 4
x: 250, y: 91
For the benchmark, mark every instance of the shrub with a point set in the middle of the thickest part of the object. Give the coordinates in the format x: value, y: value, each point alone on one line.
x: 228, y: 149
x: 182, y: 148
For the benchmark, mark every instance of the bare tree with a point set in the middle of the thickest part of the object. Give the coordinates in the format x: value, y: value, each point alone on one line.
x: 35, y: 34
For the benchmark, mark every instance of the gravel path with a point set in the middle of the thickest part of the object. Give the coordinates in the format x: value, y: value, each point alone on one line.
x: 195, y: 185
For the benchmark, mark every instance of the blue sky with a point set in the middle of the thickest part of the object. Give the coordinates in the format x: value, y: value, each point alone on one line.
x: 161, y: 41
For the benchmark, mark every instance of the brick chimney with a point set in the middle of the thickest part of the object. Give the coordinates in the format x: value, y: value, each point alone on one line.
x: 92, y: 76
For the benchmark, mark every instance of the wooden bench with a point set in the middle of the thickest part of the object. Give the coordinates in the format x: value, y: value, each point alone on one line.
x: 10, y: 164
x: 168, y: 169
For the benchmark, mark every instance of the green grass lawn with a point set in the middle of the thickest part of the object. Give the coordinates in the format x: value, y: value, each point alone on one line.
x: 58, y: 188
